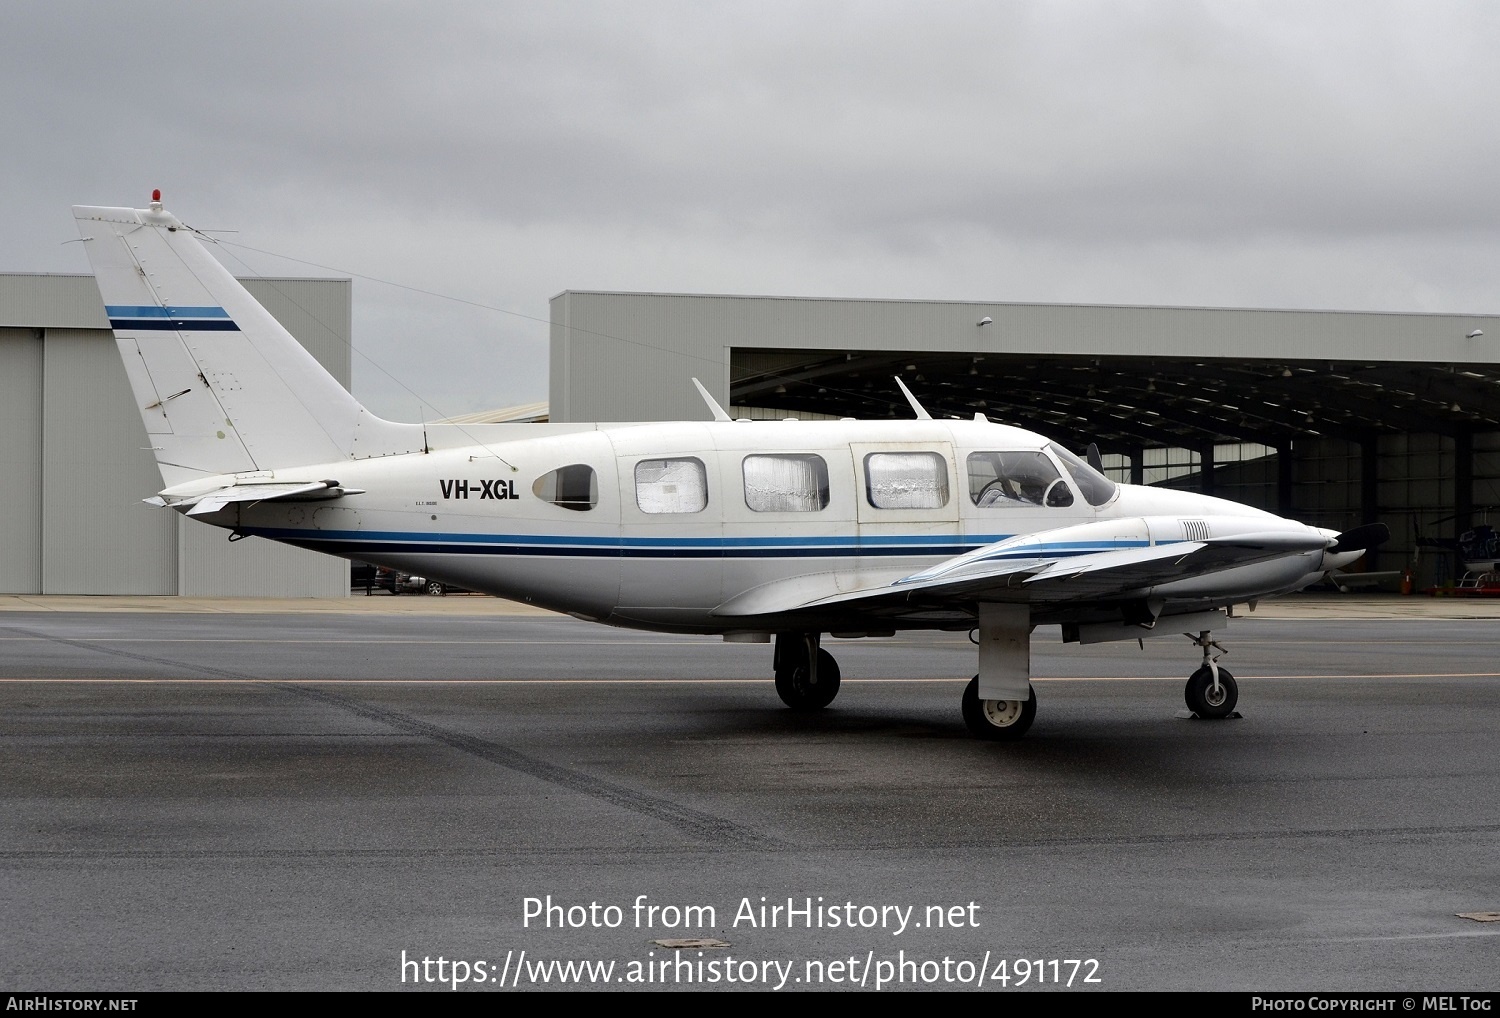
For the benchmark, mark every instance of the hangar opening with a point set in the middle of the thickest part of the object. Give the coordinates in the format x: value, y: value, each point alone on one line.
x: 1333, y: 443
x: 1337, y: 419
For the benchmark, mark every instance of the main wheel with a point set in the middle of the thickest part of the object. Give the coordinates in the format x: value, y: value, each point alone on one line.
x: 999, y: 720
x: 436, y: 588
x: 1207, y: 702
x: 796, y: 690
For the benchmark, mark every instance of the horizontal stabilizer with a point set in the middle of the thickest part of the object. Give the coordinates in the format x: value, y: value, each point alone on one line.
x: 294, y: 491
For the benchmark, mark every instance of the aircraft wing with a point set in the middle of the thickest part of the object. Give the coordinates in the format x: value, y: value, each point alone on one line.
x: 218, y: 498
x: 1096, y: 561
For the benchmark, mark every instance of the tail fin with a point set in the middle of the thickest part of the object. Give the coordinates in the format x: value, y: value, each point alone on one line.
x: 222, y: 387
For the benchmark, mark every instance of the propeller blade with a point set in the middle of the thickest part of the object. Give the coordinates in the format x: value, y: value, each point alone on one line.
x: 1362, y: 538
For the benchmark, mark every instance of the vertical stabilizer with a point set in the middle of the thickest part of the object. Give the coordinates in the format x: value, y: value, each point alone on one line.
x: 221, y: 386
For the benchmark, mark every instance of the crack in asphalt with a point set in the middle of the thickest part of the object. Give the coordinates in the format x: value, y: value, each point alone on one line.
x: 693, y: 822
x: 696, y: 823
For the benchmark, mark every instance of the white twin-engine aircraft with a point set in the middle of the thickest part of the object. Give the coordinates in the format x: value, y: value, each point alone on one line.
x: 750, y: 530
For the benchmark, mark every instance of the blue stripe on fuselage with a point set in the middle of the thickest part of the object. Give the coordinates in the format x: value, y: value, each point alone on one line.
x: 665, y: 547
x: 897, y: 543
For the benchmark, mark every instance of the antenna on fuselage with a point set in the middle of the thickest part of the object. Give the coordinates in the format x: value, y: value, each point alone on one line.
x: 922, y: 415
x: 713, y: 404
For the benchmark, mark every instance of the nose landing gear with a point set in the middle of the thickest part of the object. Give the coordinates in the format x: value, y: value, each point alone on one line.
x: 1211, y: 691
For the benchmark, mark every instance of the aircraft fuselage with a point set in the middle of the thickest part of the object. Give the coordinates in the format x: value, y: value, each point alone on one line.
x: 655, y: 526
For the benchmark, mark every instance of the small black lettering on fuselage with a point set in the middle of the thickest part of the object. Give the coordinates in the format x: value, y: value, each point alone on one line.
x: 479, y: 489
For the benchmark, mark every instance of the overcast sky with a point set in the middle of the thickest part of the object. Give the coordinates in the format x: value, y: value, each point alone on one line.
x: 1308, y: 155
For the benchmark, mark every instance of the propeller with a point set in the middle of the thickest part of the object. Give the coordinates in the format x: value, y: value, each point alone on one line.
x: 1362, y: 538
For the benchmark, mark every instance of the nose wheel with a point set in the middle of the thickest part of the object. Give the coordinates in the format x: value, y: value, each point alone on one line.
x: 1211, y: 691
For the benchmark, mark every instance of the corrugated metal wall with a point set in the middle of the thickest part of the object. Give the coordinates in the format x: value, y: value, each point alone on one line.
x: 97, y: 537
x: 213, y: 567
x: 20, y: 461
x: 630, y: 356
x: 43, y: 300
x: 76, y: 465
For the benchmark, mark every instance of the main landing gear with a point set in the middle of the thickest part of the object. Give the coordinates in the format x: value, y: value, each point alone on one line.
x: 997, y: 720
x: 807, y: 677
x: 1211, y: 691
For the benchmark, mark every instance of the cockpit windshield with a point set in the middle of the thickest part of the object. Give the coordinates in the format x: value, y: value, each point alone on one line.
x: 1097, y: 489
x: 1009, y: 480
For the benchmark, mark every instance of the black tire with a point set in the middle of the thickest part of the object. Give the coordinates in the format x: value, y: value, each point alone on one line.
x: 798, y: 693
x: 997, y: 720
x: 1200, y: 697
x: 436, y: 588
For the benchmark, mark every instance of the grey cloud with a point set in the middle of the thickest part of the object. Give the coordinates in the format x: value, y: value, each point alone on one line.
x: 1157, y: 152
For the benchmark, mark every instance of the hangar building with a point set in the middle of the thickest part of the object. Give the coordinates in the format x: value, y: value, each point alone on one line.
x: 76, y: 463
x: 1334, y: 418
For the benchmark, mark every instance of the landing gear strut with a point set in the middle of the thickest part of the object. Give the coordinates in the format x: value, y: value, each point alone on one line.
x: 807, y: 677
x: 1211, y: 691
x: 999, y: 703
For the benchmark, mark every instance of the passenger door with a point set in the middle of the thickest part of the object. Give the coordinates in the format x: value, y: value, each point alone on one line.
x: 908, y: 499
x: 671, y: 523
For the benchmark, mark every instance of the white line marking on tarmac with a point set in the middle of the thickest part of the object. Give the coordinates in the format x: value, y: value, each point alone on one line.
x: 1403, y: 936
x: 629, y: 681
x: 698, y: 641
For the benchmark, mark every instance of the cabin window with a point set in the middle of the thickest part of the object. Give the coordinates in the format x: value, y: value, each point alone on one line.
x: 906, y: 480
x: 671, y: 486
x: 1016, y: 480
x: 572, y: 487
x: 1097, y: 489
x: 786, y: 484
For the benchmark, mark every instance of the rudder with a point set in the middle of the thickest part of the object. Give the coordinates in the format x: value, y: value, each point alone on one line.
x: 222, y: 387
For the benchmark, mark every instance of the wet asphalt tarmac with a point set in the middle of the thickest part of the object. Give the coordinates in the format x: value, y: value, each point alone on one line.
x: 291, y: 801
